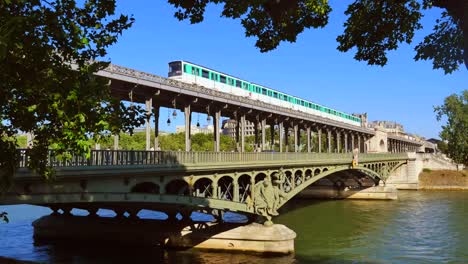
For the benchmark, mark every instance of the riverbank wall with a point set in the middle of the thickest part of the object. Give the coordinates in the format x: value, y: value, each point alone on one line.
x: 406, y: 177
x: 443, y: 180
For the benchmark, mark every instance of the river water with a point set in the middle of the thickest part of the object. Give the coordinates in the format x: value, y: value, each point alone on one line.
x: 421, y: 227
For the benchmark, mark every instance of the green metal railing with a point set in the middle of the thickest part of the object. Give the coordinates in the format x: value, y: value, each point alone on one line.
x: 139, y: 157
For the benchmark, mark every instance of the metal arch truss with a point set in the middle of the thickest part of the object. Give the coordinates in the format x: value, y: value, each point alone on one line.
x: 249, y: 189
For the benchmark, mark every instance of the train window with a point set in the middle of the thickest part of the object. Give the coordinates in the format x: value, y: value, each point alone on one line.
x: 205, y: 74
x: 195, y: 71
x: 285, y: 98
x: 222, y: 78
x: 238, y: 83
x: 264, y: 91
x: 175, y: 68
x: 275, y: 94
x: 214, y: 76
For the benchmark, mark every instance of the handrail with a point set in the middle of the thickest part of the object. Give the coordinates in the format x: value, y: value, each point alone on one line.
x: 143, y: 157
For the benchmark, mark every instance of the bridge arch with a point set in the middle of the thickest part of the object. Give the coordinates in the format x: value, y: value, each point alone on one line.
x: 226, y: 188
x: 260, y: 176
x: 244, y: 182
x: 177, y: 187
x: 203, y: 187
x: 325, y: 173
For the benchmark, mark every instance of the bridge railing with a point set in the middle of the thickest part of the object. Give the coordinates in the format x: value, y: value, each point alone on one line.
x: 141, y: 157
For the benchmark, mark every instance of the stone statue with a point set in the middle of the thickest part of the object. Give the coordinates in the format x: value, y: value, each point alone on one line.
x: 268, y: 196
x: 355, y: 162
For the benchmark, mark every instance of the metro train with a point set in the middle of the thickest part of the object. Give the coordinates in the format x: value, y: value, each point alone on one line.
x: 192, y: 73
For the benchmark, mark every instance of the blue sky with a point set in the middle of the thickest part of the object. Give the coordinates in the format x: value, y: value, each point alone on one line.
x: 404, y: 91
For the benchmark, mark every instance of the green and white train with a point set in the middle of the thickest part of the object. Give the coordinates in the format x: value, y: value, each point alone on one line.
x: 192, y: 73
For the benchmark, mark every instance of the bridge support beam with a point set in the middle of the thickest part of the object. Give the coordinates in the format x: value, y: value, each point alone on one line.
x: 148, y: 104
x: 188, y: 122
x: 319, y: 137
x: 243, y: 133
x: 116, y: 142
x: 338, y: 141
x: 308, y: 135
x: 272, y: 136
x: 329, y: 143
x: 237, y: 132
x: 346, y: 142
x: 297, y: 132
x: 263, y: 125
x: 359, y: 143
x: 257, y: 143
x: 156, y: 109
x: 281, y: 136
x: 216, y: 125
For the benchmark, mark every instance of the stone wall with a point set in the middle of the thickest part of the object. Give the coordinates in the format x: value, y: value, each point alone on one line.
x: 407, y: 176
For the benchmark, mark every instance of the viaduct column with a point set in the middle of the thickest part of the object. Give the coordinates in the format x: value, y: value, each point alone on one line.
x: 148, y: 104
x: 346, y: 142
x: 257, y: 145
x: 272, y: 135
x: 216, y: 124
x: 319, y: 137
x: 329, y: 140
x: 338, y: 141
x: 156, y: 125
x: 296, y: 138
x: 359, y: 143
x: 188, y: 121
x: 286, y: 137
x: 243, y: 133
x: 352, y: 142
x: 263, y: 125
x: 236, y: 116
x: 308, y: 139
x: 281, y: 136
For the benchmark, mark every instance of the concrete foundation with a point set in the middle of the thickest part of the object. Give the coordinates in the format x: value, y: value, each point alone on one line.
x: 370, y: 193
x: 276, y: 239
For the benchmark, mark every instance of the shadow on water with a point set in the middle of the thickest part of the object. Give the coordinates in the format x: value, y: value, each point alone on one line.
x: 101, y: 253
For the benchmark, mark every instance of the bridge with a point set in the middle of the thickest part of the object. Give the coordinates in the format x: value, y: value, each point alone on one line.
x: 343, y: 157
x: 184, y: 182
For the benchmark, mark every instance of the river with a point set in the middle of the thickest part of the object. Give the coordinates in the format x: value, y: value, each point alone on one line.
x: 421, y: 227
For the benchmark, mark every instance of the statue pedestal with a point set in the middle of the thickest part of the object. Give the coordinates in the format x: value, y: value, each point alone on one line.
x: 276, y: 239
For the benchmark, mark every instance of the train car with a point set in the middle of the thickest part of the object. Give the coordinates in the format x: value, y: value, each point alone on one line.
x: 192, y: 73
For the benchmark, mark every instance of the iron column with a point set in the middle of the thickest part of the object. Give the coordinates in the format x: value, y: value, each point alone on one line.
x: 188, y: 121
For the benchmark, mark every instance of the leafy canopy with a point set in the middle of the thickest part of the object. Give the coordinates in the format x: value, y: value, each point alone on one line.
x: 48, y: 53
x: 373, y: 27
x: 455, y: 132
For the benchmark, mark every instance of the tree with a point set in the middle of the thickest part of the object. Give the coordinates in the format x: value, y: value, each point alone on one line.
x: 48, y: 57
x: 373, y: 27
x: 455, y: 109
